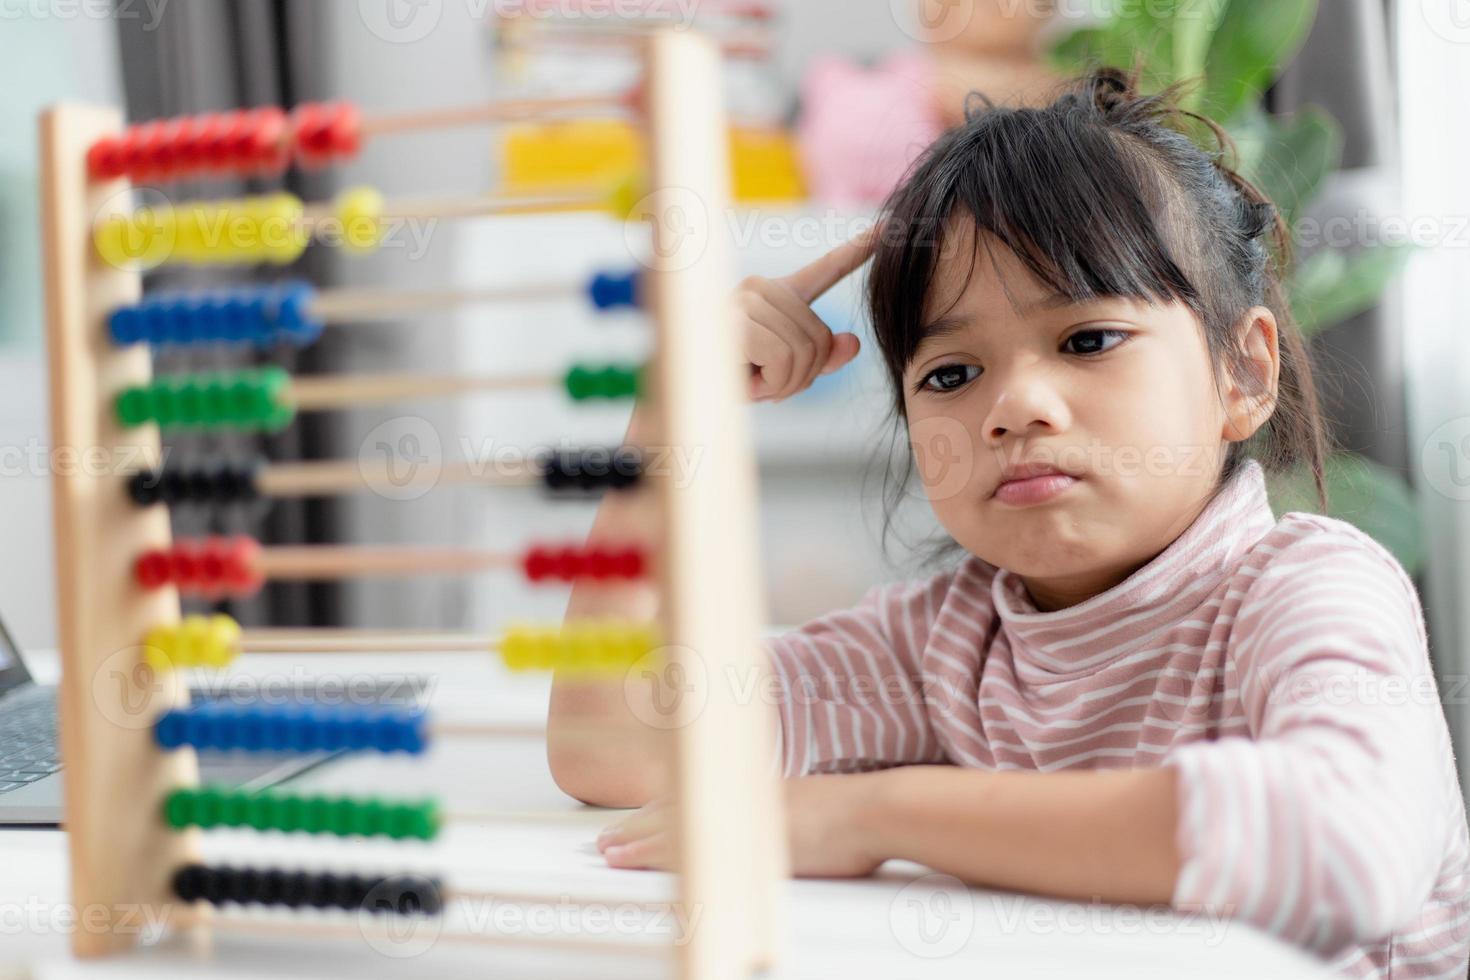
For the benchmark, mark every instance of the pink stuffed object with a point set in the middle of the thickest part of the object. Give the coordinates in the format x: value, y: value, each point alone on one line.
x: 861, y: 128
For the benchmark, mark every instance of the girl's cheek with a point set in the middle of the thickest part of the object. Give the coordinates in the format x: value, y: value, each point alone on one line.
x: 944, y: 455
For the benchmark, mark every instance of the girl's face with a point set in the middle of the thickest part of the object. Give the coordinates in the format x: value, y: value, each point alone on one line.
x: 1116, y: 392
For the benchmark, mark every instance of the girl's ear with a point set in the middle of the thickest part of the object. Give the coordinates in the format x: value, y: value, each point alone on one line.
x: 1250, y: 401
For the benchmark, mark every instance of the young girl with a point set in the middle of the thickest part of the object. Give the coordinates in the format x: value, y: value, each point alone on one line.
x: 1136, y: 685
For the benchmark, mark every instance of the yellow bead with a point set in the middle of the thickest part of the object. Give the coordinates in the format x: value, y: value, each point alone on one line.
x: 360, y: 211
x: 518, y: 648
x: 159, y: 648
x: 145, y: 238
x: 221, y: 641
x: 622, y: 202
x: 278, y: 225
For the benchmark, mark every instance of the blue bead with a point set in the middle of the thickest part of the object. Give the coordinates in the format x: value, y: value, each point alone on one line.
x: 126, y: 325
x: 239, y: 327
x: 609, y: 291
x: 198, y: 728
x: 361, y: 730
x: 305, y: 730
x: 169, y: 731
x: 293, y: 321
x: 280, y: 729
x: 206, y: 319
x: 416, y: 733
x: 229, y: 730
x: 256, y: 325
x: 333, y: 735
x: 252, y: 731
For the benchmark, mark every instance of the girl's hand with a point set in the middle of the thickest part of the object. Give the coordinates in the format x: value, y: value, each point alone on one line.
x: 787, y: 345
x: 823, y: 829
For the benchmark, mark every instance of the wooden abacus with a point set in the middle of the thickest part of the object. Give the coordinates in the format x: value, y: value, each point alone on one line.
x: 133, y: 807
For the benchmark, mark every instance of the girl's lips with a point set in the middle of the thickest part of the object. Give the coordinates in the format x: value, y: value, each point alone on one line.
x: 1034, y: 490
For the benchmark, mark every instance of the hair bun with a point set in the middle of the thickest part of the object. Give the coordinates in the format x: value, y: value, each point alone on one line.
x: 1256, y: 218
x: 1112, y: 90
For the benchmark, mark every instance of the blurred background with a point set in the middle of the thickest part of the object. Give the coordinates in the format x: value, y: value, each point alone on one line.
x: 1349, y: 116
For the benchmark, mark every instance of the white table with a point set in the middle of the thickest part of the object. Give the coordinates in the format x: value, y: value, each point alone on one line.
x: 905, y: 921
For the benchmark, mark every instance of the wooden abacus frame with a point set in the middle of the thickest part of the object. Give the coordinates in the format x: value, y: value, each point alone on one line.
x: 731, y: 841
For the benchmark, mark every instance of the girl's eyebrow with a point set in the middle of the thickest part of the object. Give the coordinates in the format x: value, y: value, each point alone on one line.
x: 951, y: 324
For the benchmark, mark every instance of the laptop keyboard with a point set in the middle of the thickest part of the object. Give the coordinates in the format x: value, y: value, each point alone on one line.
x: 27, y: 739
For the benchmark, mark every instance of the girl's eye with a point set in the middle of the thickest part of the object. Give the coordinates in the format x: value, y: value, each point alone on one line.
x: 1092, y: 340
x: 949, y: 377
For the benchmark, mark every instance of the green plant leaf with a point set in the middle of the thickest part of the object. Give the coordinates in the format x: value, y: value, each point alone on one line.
x: 1332, y: 285
x: 1298, y: 154
x: 1373, y: 498
x: 1253, y: 40
x: 1193, y: 27
x: 1135, y: 36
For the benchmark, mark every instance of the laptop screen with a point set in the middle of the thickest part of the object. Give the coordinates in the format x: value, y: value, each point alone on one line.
x: 12, y: 671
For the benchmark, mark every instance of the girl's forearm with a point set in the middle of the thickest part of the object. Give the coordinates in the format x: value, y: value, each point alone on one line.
x: 1103, y: 834
x: 620, y: 770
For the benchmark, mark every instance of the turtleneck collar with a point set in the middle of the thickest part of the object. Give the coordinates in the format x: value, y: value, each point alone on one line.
x: 1085, y: 637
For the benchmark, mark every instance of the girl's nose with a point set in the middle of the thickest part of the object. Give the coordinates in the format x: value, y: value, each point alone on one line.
x: 1025, y: 401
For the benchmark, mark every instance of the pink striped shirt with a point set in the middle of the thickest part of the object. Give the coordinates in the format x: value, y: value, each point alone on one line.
x: 1281, y: 666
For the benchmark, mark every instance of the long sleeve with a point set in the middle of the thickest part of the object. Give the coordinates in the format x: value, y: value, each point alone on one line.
x: 850, y: 684
x: 1329, y: 824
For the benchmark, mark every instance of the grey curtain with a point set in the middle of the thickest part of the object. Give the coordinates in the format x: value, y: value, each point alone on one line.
x: 215, y: 55
x: 1345, y: 68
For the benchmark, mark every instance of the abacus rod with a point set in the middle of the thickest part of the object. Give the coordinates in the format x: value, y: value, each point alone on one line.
x: 334, y: 476
x: 473, y: 206
x: 510, y: 110
x: 270, y: 641
x: 349, y: 305
x: 358, y: 930
x: 318, y: 393
x: 294, y: 562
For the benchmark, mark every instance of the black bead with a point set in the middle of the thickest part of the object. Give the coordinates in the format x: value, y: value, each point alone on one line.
x: 272, y: 886
x: 187, y: 882
x: 143, y: 488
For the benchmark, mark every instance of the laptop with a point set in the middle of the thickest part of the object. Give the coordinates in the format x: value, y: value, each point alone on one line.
x: 31, y: 772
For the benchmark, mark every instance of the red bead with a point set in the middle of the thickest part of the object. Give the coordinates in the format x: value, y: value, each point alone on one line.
x: 152, y: 569
x: 105, y: 159
x: 569, y: 564
x: 214, y: 146
x: 267, y: 148
x: 135, y: 149
x: 239, y: 574
x: 161, y: 151
x: 183, y: 565
x: 538, y: 564
x: 600, y: 564
x: 630, y: 563
x: 326, y: 132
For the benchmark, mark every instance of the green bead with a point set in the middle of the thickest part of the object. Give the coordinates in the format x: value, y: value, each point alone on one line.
x: 579, y: 383
x: 162, y: 403
x: 427, y: 820
x: 232, y: 808
x: 344, y: 816
x: 290, y: 813
x: 215, y: 403
x: 259, y: 813
x: 134, y: 407
x: 317, y: 817
x: 207, y: 807
x: 189, y: 404
x: 369, y: 818
x: 178, y: 809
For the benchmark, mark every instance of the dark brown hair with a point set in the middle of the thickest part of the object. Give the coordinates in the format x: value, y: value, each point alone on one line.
x: 1102, y: 193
